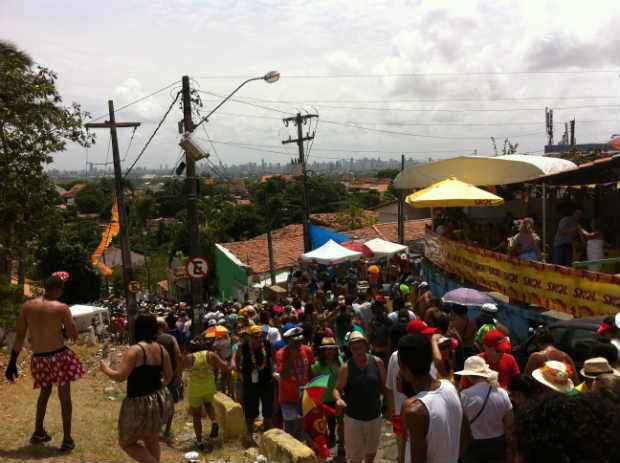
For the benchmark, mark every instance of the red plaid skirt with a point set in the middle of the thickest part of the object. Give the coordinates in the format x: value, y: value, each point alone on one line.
x: 55, y: 368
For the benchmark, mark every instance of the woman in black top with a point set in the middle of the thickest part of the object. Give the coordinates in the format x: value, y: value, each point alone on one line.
x: 255, y: 366
x: 147, y: 369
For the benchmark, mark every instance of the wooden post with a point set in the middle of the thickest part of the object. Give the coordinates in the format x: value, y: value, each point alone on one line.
x: 130, y: 297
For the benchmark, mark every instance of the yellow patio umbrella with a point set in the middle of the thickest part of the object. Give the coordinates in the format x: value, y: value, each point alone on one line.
x: 452, y: 193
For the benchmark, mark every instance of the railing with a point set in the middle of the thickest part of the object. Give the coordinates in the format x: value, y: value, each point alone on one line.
x: 571, y: 290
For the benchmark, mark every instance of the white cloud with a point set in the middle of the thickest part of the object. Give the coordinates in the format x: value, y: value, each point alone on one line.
x: 126, y: 50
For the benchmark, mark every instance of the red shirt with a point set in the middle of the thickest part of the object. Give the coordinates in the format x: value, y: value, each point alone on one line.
x: 507, y: 368
x: 298, y: 376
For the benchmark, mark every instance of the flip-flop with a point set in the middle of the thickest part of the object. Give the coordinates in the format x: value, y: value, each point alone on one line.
x: 40, y: 438
x: 67, y: 445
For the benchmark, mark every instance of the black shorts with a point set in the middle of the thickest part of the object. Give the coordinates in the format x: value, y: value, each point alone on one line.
x: 253, y: 394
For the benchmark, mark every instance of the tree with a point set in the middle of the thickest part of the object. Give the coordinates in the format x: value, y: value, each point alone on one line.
x: 33, y: 125
x: 354, y: 217
x: 508, y: 148
x: 62, y: 250
x: 387, y: 173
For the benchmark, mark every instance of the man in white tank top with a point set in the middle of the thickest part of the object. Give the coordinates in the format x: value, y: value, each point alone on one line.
x: 433, y: 419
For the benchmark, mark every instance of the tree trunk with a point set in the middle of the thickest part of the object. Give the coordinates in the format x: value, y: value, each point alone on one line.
x: 21, y: 267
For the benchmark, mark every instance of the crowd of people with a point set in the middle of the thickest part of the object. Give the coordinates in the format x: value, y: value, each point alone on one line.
x: 387, y: 350
x: 518, y: 237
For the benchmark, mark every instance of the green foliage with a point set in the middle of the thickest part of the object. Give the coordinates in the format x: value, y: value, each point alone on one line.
x: 63, y: 249
x: 366, y: 199
x: 12, y: 298
x: 33, y: 125
x: 387, y: 173
x: 353, y: 218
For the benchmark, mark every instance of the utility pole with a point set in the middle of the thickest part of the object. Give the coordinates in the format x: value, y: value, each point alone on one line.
x: 192, y: 206
x: 300, y: 120
x: 401, y: 207
x: 130, y: 297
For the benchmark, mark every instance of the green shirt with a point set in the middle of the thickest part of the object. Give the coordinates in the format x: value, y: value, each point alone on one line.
x: 319, y: 369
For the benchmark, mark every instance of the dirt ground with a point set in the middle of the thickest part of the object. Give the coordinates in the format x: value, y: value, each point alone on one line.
x: 96, y: 403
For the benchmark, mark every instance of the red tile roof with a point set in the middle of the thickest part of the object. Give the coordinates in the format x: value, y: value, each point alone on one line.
x: 288, y: 243
x: 330, y: 219
x: 75, y: 189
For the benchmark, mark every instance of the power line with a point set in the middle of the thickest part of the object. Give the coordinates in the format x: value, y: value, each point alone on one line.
x: 273, y: 149
x: 420, y: 74
x: 131, y: 103
x: 354, y: 125
x: 433, y: 124
x: 464, y: 110
x: 153, y: 134
x: 433, y: 100
x: 237, y: 100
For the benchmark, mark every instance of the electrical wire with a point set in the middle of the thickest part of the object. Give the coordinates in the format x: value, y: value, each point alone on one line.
x: 131, y: 103
x: 237, y: 100
x: 153, y: 134
x: 418, y: 135
x: 419, y: 74
x: 432, y: 100
x: 133, y: 133
x: 311, y: 143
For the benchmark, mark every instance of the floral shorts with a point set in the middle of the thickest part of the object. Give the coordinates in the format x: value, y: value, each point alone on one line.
x: 55, y: 368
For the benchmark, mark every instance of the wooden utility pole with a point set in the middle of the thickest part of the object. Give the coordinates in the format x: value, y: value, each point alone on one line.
x: 130, y: 297
x: 300, y: 120
x: 272, y: 267
x: 401, y: 207
x: 192, y: 204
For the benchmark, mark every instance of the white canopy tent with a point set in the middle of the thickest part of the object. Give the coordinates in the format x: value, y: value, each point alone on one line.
x: 83, y: 315
x: 383, y: 248
x: 331, y: 253
x: 482, y: 170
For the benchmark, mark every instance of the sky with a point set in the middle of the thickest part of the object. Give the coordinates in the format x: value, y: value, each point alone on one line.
x: 431, y: 79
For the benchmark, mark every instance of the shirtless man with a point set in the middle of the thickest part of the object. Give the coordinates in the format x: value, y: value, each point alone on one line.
x: 52, y: 363
x: 547, y: 351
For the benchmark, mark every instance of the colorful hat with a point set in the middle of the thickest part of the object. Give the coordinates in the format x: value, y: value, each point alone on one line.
x: 254, y: 329
x: 328, y: 343
x: 418, y: 326
x: 294, y: 334
x: 554, y: 375
x: 497, y: 340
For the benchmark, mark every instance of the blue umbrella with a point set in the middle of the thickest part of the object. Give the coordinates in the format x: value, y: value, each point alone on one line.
x: 467, y: 297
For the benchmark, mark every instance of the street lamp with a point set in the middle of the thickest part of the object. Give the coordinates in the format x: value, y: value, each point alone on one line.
x: 270, y: 78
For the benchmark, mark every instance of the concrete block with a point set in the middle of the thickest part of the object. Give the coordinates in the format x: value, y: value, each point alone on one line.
x: 229, y: 415
x: 279, y: 446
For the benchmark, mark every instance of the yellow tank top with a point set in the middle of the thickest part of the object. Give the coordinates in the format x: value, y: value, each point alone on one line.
x: 201, y: 381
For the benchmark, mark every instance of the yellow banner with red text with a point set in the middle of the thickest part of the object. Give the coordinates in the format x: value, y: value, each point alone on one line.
x: 580, y: 293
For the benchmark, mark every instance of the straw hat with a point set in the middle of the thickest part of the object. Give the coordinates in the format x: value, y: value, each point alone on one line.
x: 328, y: 343
x: 356, y: 336
x: 477, y: 366
x: 554, y: 375
x: 597, y: 366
